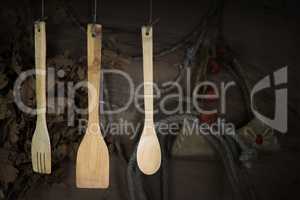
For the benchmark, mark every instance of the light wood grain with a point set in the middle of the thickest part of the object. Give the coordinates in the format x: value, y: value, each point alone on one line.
x: 40, y: 147
x: 92, y: 166
x: 148, y: 151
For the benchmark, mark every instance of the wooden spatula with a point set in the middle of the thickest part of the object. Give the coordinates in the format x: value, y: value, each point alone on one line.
x: 92, y: 167
x: 148, y: 151
x: 40, y: 146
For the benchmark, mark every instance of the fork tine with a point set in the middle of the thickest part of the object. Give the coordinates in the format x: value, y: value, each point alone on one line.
x: 37, y: 162
x: 41, y: 162
x: 44, y: 161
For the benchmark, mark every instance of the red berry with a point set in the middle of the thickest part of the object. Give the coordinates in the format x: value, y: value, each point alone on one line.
x: 214, y: 66
x: 208, y: 119
x: 259, y: 140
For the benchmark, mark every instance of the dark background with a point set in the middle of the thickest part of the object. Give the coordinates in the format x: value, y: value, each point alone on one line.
x: 262, y: 33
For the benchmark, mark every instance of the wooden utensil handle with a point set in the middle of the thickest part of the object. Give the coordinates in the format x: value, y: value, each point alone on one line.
x: 94, y: 35
x: 40, y: 66
x: 148, y: 72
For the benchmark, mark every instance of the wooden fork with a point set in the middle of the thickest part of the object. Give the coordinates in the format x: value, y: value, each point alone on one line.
x: 40, y: 147
x: 148, y: 151
x: 92, y: 166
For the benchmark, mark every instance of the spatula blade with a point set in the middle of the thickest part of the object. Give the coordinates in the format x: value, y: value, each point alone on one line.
x: 92, y: 167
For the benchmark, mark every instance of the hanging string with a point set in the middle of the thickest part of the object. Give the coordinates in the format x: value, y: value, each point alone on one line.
x: 95, y: 11
x: 43, y: 10
x: 150, y: 19
x: 150, y: 16
x: 150, y: 12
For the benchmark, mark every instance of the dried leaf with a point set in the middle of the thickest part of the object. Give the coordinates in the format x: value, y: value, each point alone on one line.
x: 17, y: 68
x: 62, y: 151
x: 62, y: 62
x: 28, y: 92
x: 3, y: 108
x: 21, y: 158
x: 81, y: 73
x: 4, y: 154
x: 8, y: 173
x: 13, y: 132
x: 3, y: 81
x: 10, y: 97
x: 57, y: 105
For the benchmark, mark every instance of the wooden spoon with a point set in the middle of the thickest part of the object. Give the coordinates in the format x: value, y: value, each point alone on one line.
x: 148, y: 151
x: 92, y: 167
